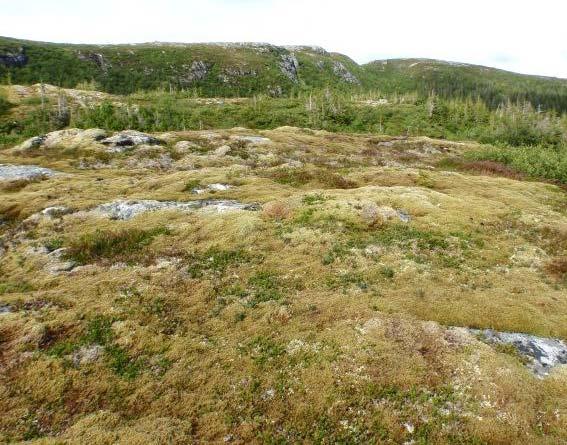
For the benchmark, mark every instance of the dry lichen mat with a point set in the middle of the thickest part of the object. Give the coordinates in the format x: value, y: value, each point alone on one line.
x: 277, y: 286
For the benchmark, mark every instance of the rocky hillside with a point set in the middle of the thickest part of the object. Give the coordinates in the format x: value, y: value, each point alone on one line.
x: 241, y: 69
x: 222, y: 69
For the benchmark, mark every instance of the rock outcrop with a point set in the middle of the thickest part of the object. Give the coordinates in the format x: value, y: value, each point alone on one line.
x: 211, y: 188
x: 195, y: 72
x: 72, y: 137
x: 9, y: 172
x: 344, y: 74
x: 14, y: 58
x: 128, y: 139
x: 289, y: 66
x: 96, y: 58
x: 230, y: 74
x: 124, y: 210
x: 543, y: 353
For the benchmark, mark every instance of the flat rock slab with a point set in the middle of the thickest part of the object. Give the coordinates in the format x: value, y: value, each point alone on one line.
x: 544, y: 353
x: 257, y: 140
x: 124, y: 210
x: 212, y: 188
x: 9, y: 172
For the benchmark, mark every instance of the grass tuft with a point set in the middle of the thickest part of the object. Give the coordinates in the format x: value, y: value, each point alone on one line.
x: 112, y: 245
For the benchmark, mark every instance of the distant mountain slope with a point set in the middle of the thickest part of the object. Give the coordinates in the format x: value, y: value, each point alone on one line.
x: 244, y: 69
x: 450, y: 79
x: 217, y: 69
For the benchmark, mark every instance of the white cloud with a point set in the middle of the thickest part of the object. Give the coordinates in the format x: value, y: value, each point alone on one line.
x: 523, y: 36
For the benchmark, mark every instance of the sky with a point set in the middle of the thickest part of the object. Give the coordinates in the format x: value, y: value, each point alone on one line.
x: 522, y: 36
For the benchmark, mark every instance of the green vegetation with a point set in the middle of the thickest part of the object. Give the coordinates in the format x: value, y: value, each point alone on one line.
x: 455, y: 80
x: 9, y: 287
x: 537, y: 162
x: 246, y: 70
x: 266, y: 286
x: 110, y: 244
x: 4, y: 105
x: 216, y: 261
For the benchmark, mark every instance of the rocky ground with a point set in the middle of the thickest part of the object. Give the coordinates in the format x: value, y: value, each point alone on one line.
x: 284, y: 286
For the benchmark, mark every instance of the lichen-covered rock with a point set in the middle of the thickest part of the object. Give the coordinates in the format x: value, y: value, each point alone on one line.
x: 9, y: 172
x: 254, y: 140
x: 56, y: 211
x: 343, y: 73
x: 57, y: 264
x: 71, y: 137
x: 544, y: 353
x: 32, y: 143
x: 212, y: 188
x: 186, y: 146
x: 124, y: 210
x: 162, y: 161
x: 308, y: 48
x: 127, y: 139
x: 275, y: 90
x: 372, y: 213
x: 50, y: 213
x: 87, y: 354
x: 223, y: 150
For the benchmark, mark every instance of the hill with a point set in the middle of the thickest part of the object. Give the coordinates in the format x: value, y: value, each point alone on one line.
x: 450, y: 79
x: 214, y: 69
x: 246, y: 69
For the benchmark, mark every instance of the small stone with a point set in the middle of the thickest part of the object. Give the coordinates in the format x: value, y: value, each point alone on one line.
x: 56, y: 211
x: 87, y: 354
x: 185, y: 146
x: 212, y: 188
x: 410, y: 428
x: 32, y: 143
x: 223, y: 150
x: 255, y: 140
x: 269, y: 394
x: 56, y: 264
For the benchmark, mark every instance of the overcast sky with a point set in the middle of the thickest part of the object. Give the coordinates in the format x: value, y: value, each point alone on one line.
x: 523, y: 36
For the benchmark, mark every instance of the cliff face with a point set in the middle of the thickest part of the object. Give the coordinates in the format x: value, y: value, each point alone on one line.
x: 14, y: 58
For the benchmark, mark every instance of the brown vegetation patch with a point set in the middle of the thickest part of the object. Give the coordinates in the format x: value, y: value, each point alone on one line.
x: 558, y: 268
x: 298, y: 177
x: 490, y: 168
x: 19, y: 184
x: 277, y: 211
